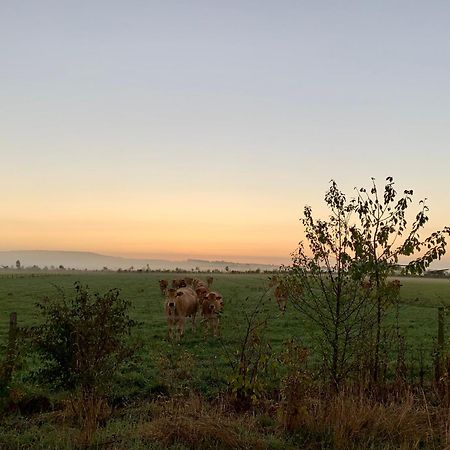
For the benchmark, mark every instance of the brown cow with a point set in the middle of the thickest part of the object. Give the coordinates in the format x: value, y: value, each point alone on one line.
x: 163, y: 285
x: 196, y: 283
x: 209, y: 280
x: 180, y: 303
x: 281, y: 296
x: 219, y: 298
x: 280, y: 292
x: 180, y: 283
x: 394, y: 288
x: 212, y: 306
x: 189, y: 281
x: 201, y: 292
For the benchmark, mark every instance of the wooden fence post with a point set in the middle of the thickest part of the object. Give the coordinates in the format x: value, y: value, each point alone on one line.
x: 440, y: 343
x: 12, y: 348
x: 12, y: 328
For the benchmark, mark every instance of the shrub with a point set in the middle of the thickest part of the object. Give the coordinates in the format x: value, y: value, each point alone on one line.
x: 83, y: 341
x: 252, y: 360
x: 84, y: 338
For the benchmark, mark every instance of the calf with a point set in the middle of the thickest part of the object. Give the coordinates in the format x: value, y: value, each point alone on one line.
x: 180, y: 283
x: 280, y: 292
x: 281, y: 296
x: 201, y: 292
x: 212, y: 306
x: 163, y: 285
x: 394, y: 289
x: 209, y: 280
x: 180, y: 304
x: 196, y: 283
x: 219, y: 298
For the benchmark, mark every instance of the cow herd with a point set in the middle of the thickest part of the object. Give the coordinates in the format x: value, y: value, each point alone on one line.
x: 187, y: 298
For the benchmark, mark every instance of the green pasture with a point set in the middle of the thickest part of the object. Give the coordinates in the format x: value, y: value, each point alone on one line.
x: 417, y: 318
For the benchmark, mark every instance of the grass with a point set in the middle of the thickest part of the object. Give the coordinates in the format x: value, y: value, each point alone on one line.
x: 194, y: 373
x: 417, y: 317
x: 347, y: 422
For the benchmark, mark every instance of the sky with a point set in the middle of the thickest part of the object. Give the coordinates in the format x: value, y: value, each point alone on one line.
x: 202, y: 128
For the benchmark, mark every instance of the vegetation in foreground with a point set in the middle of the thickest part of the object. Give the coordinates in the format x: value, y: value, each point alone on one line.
x: 177, y: 396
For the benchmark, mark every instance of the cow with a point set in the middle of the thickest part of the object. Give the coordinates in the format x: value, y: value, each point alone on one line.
x: 163, y: 285
x: 281, y: 296
x: 201, y: 292
x: 209, y: 280
x: 219, y: 298
x: 280, y: 292
x: 196, y: 283
x: 189, y: 281
x: 180, y: 283
x: 180, y: 304
x: 394, y: 289
x: 211, y: 308
x: 395, y: 284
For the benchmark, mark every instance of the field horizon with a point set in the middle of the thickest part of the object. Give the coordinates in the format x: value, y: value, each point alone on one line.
x: 97, y: 261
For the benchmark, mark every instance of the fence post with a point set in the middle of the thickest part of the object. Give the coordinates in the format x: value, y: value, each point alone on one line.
x: 12, y: 328
x: 440, y: 343
x: 12, y: 347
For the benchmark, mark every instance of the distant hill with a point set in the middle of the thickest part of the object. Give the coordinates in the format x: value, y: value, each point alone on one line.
x: 95, y: 261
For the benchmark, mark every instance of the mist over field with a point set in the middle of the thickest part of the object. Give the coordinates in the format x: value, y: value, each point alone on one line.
x: 95, y: 261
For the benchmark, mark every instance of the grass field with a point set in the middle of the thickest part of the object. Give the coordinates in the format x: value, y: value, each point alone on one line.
x: 418, y: 312
x: 140, y: 421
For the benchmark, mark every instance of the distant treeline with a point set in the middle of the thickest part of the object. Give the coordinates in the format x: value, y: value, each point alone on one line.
x: 16, y: 271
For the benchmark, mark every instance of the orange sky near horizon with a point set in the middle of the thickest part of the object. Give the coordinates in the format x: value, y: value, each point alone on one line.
x: 251, y: 229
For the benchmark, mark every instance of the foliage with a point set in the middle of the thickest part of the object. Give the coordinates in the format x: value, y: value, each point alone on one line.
x: 251, y: 360
x: 326, y: 285
x: 10, y: 362
x: 340, y: 280
x: 295, y: 386
x: 84, y: 339
x: 383, y: 235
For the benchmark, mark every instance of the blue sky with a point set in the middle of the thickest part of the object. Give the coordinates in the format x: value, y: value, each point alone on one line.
x: 202, y: 128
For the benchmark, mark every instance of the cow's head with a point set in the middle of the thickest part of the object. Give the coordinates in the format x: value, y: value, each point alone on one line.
x: 171, y: 295
x: 201, y: 292
x: 212, y: 304
x: 219, y: 300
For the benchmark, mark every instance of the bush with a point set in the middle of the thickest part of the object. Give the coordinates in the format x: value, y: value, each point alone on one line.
x: 84, y: 339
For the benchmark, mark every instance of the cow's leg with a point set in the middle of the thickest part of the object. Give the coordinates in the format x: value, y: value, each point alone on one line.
x: 216, y: 327
x: 181, y: 327
x: 206, y: 327
x: 171, y: 328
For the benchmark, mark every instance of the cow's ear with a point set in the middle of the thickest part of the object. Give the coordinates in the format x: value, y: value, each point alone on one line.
x: 179, y: 293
